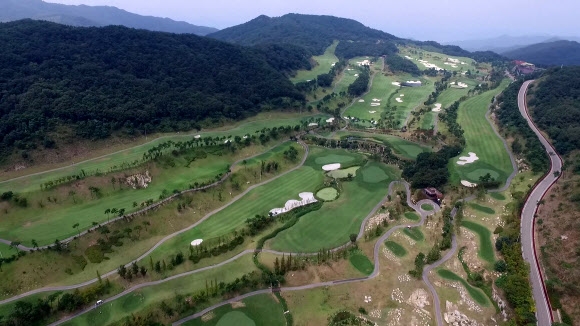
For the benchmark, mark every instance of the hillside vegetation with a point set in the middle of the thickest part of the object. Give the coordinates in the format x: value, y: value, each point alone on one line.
x: 99, y: 80
x: 86, y: 16
x: 548, y: 54
x: 556, y: 107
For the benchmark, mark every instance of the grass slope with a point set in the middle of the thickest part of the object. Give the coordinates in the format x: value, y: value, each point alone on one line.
x: 396, y: 248
x: 481, y: 139
x: 414, y: 233
x: 262, y: 309
x: 486, y: 250
x: 362, y: 263
x: 324, y: 63
x: 475, y: 293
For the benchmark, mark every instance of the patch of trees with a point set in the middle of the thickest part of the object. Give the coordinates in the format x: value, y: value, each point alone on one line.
x: 449, y: 116
x: 399, y: 64
x: 361, y: 83
x: 556, y: 107
x: 286, y: 57
x: 526, y: 142
x: 430, y: 169
x: 419, y: 265
x: 453, y: 50
x: 440, y: 86
x: 98, y: 81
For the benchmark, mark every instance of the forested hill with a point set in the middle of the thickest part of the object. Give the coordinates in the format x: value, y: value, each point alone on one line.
x: 314, y: 33
x: 548, y: 54
x: 98, y: 80
x: 11, y: 10
x: 555, y: 106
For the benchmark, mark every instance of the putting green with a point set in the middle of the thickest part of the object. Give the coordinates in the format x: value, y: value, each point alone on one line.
x: 483, y: 209
x: 343, y: 173
x: 361, y: 263
x: 331, y: 225
x: 497, y: 195
x: 333, y: 158
x: 412, y: 216
x: 374, y: 174
x: 486, y: 249
x: 481, y: 139
x: 396, y: 248
x: 235, y: 318
x: 414, y: 233
x: 427, y: 207
x: 475, y: 293
x: 327, y: 194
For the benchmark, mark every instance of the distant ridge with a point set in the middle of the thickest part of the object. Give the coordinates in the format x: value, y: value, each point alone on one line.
x: 85, y: 16
x: 555, y: 53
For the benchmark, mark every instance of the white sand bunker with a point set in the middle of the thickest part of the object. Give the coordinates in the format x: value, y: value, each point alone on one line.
x: 196, y: 242
x: 312, y: 124
x: 330, y: 120
x: 227, y: 141
x: 408, y: 57
x: 346, y: 118
x: 396, y: 83
x: 376, y: 100
x: 372, y: 112
x: 458, y: 85
x: 375, y: 104
x: 437, y: 107
x: 331, y: 167
x: 361, y: 100
x: 307, y: 198
x: 398, y: 99
x: 467, y: 159
x: 468, y: 184
x: 197, y: 136
x: 402, y: 95
x: 356, y: 75
x: 246, y: 136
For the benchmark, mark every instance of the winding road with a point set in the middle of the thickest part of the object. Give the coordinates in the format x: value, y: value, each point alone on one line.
x: 543, y: 307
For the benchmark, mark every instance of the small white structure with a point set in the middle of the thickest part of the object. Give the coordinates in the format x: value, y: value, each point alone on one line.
x: 196, y: 242
x: 467, y: 159
x: 307, y: 198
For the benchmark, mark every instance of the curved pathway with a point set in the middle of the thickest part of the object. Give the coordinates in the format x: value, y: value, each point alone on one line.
x: 164, y: 201
x: 543, y: 307
x: 75, y: 286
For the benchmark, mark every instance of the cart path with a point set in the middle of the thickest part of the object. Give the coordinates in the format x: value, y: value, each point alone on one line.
x: 161, y: 202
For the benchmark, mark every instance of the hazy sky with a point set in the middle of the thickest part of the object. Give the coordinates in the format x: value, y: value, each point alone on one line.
x: 440, y: 20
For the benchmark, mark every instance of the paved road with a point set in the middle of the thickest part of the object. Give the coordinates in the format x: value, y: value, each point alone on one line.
x: 161, y: 202
x: 543, y: 308
x: 75, y: 286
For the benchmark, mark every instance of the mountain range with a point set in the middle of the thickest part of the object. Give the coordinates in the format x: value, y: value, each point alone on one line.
x: 82, y: 15
x: 506, y: 43
x: 555, y: 53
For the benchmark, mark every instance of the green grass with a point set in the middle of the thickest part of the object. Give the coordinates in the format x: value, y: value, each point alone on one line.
x: 486, y: 249
x: 483, y: 209
x: 451, y: 94
x: 334, y: 158
x: 413, y: 97
x: 412, y: 216
x: 148, y: 297
x: 475, y: 293
x: 435, y: 58
x: 261, y: 309
x: 497, y: 195
x: 324, y: 61
x: 414, y: 233
x: 361, y: 263
x: 327, y: 194
x: 345, y: 79
x: 427, y: 207
x: 396, y: 248
x: 482, y: 140
x: 343, y: 173
x: 335, y: 221
x: 428, y: 120
x: 401, y: 147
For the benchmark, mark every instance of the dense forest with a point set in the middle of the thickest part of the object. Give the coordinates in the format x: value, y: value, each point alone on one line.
x: 399, y: 64
x: 549, y: 54
x: 365, y: 48
x: 99, y: 80
x: 556, y: 107
x: 314, y: 33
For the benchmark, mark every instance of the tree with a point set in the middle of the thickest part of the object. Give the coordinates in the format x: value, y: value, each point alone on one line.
x: 122, y: 270
x: 134, y: 268
x: 114, y: 211
x: 353, y: 237
x: 107, y: 211
x: 143, y: 271
x: 14, y: 245
x: 34, y: 243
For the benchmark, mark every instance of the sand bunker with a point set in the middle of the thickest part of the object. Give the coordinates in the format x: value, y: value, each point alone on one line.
x: 458, y: 85
x: 330, y: 120
x: 396, y: 83
x: 331, y: 167
x: 402, y: 95
x: 356, y: 75
x: 372, y: 112
x: 468, y: 184
x: 429, y: 65
x: 197, y: 136
x: 364, y: 63
x: 307, y: 198
x: 376, y: 100
x: 346, y: 118
x: 227, y: 141
x: 467, y: 159
x: 246, y: 136
x: 196, y: 242
x: 375, y: 104
x: 437, y: 107
x: 398, y: 99
x: 312, y: 124
x: 408, y: 57
x: 361, y: 101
